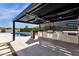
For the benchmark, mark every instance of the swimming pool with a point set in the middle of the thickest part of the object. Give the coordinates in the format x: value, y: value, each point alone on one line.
x: 22, y: 33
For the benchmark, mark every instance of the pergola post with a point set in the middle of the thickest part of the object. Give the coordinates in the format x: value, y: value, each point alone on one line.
x: 78, y: 30
x: 13, y: 30
x: 49, y: 25
x: 40, y: 27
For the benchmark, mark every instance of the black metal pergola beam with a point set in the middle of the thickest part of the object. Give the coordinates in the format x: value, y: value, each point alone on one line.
x: 62, y: 13
x: 27, y: 22
x: 62, y: 10
x: 13, y: 30
x: 43, y: 5
x: 38, y: 5
x: 64, y: 18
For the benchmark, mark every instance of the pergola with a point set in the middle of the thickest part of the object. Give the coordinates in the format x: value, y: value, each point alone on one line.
x: 40, y: 13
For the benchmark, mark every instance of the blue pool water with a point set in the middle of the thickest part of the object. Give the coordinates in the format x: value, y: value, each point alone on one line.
x: 22, y: 33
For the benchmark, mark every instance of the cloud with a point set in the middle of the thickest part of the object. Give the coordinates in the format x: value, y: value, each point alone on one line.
x: 10, y: 13
x: 7, y: 14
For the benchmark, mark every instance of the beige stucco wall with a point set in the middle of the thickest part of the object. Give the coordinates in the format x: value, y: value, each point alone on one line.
x: 62, y: 36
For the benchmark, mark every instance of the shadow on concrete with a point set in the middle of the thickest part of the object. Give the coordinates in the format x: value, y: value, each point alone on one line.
x: 57, y: 48
x: 31, y: 41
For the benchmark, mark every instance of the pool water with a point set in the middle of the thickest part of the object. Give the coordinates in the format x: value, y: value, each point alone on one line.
x: 22, y: 33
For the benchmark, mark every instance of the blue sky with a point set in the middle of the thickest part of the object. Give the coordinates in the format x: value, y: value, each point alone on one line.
x: 8, y: 11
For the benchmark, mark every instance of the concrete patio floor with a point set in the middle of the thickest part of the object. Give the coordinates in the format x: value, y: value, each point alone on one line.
x: 22, y: 48
x: 61, y: 48
x: 58, y: 48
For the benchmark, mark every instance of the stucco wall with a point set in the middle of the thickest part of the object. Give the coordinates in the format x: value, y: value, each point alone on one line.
x: 62, y: 36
